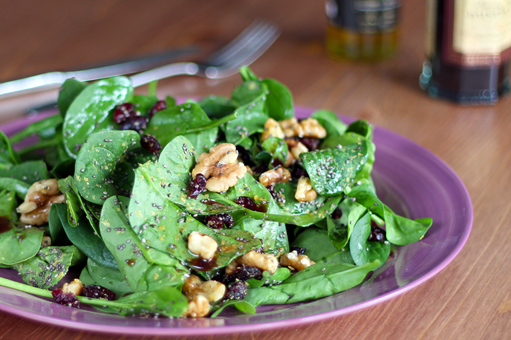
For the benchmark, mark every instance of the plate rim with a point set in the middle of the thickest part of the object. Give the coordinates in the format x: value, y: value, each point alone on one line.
x: 267, y: 325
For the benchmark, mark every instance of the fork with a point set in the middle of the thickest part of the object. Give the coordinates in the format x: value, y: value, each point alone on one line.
x: 243, y: 50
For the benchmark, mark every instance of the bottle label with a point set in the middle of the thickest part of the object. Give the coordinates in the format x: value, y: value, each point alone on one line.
x: 479, y: 33
x: 364, y: 16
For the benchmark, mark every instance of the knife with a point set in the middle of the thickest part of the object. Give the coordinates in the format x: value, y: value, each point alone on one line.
x: 53, y: 80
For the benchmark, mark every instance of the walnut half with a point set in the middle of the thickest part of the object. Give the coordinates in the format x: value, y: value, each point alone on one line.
x: 296, y: 261
x: 220, y: 166
x: 40, y: 196
x: 265, y: 262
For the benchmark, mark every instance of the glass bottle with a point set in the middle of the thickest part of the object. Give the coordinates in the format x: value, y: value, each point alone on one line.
x: 362, y: 30
x: 468, y: 47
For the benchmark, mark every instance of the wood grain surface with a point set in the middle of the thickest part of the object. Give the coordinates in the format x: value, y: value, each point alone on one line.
x: 469, y: 299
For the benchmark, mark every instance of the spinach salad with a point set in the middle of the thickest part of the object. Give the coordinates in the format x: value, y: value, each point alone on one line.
x: 182, y: 210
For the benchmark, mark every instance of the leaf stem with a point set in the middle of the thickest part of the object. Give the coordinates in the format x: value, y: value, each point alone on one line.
x: 214, y: 123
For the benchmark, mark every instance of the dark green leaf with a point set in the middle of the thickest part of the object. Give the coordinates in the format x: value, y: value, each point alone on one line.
x: 279, y: 101
x: 19, y: 244
x: 97, y: 161
x: 70, y: 89
x: 37, y: 128
x: 401, y: 230
x: 331, y: 171
x: 242, y: 306
x: 110, y: 278
x: 362, y: 250
x: 333, y: 125
x: 143, y: 103
x: 216, y: 106
x: 90, y: 111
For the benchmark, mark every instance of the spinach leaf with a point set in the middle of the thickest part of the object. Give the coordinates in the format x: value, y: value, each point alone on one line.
x: 107, y: 277
x: 251, y: 115
x: 7, y: 202
x: 19, y: 244
x: 6, y: 145
x: 143, y: 103
x: 313, y: 282
x: 187, y: 119
x: 333, y: 125
x: 28, y: 172
x: 241, y: 305
x: 339, y: 231
x: 84, y: 238
x: 288, y: 204
x: 362, y: 250
x: 365, y: 196
x: 280, y: 275
x: 279, y: 102
x: 56, y: 229
x: 47, y: 268
x: 216, y: 106
x: 361, y: 127
x: 401, y: 230
x: 15, y: 185
x: 67, y: 187
x: 319, y: 247
x: 90, y: 111
x: 97, y: 161
x: 331, y: 171
x: 70, y: 89
x: 38, y: 128
x: 164, y: 226
x: 276, y: 147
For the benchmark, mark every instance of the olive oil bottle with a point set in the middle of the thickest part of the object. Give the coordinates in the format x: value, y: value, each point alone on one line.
x: 468, y: 48
x: 362, y: 30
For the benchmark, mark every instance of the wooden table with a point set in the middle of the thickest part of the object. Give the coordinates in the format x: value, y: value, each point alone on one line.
x: 471, y: 298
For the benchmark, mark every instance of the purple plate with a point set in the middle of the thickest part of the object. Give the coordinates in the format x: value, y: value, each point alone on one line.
x: 408, y: 178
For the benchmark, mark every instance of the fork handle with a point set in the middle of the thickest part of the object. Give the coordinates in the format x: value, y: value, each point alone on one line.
x: 166, y: 71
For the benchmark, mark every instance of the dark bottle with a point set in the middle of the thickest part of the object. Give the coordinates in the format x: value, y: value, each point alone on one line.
x: 362, y: 30
x: 468, y: 47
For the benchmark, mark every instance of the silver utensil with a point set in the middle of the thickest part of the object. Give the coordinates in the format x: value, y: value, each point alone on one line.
x: 243, y: 50
x: 53, y: 80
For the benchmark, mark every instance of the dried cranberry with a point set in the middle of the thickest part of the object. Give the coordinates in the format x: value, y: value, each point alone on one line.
x: 271, y: 190
x: 237, y: 291
x: 98, y: 292
x: 123, y: 112
x: 67, y: 299
x: 248, y: 203
x: 197, y: 185
x: 311, y: 143
x: 299, y: 250
x: 245, y: 156
x: 377, y: 234
x: 150, y: 143
x: 137, y: 123
x: 337, y: 213
x: 219, y: 220
x: 244, y: 273
x: 276, y: 162
x: 298, y: 172
x: 157, y: 107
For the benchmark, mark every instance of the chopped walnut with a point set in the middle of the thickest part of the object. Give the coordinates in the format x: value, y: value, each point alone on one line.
x: 265, y: 262
x: 275, y: 176
x: 304, y: 190
x: 272, y: 129
x: 289, y: 160
x: 291, y: 127
x: 197, y: 307
x: 309, y: 127
x: 296, y: 261
x: 312, y: 128
x: 203, y: 245
x: 75, y: 287
x: 221, y: 167
x: 295, y: 148
x: 40, y: 196
x: 212, y: 290
x: 46, y: 241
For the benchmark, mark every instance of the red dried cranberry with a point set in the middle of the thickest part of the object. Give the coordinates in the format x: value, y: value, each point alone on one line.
x: 197, y: 185
x: 150, y: 143
x: 137, y: 123
x: 244, y: 273
x: 237, y: 291
x: 298, y: 172
x: 123, y: 112
x: 219, y: 220
x: 248, y: 203
x: 377, y: 234
x: 311, y: 143
x: 337, y: 213
x: 159, y: 106
x: 276, y: 162
x: 271, y: 190
x: 67, y: 299
x: 98, y: 292
x: 299, y: 250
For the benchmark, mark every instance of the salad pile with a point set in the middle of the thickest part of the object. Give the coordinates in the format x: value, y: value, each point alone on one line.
x: 182, y: 210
